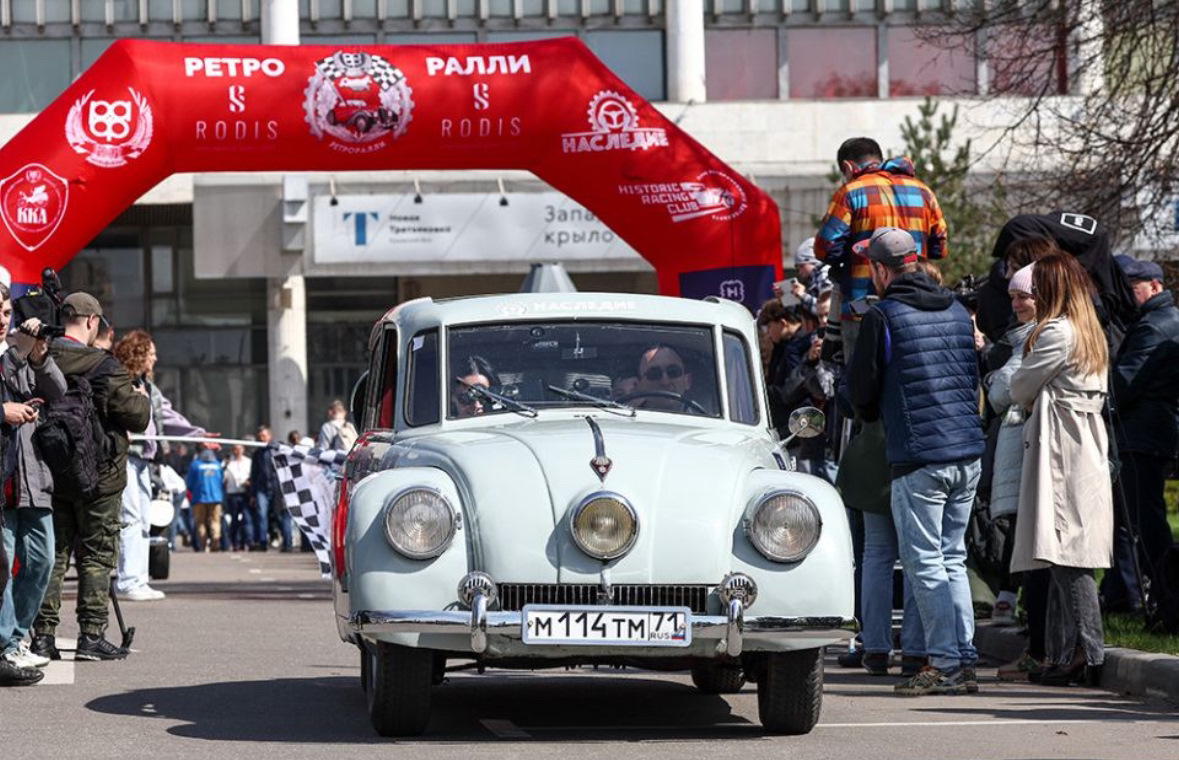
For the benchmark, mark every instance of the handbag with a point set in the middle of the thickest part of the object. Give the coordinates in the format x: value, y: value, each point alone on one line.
x: 864, y: 478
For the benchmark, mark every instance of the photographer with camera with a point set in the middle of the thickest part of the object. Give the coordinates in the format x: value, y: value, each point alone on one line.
x: 29, y: 377
x: 100, y: 407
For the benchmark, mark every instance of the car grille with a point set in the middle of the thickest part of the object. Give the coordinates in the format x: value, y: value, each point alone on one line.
x: 513, y: 596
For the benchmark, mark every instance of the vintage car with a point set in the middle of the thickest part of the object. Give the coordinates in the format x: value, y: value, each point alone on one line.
x: 546, y: 480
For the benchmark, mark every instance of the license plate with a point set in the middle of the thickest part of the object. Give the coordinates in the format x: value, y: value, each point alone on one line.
x: 607, y: 626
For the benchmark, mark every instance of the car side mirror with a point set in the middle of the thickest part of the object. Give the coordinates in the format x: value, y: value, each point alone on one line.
x: 806, y: 422
x: 357, y: 399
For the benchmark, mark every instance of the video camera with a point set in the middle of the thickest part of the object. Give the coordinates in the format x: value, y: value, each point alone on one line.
x: 44, y: 303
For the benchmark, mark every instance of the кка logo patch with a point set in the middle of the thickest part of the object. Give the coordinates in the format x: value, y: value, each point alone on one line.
x: 32, y: 204
x: 615, y: 125
x: 357, y: 98
x: 109, y: 132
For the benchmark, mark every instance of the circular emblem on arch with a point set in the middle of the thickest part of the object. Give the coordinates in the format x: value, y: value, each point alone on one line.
x: 357, y: 97
x: 610, y: 112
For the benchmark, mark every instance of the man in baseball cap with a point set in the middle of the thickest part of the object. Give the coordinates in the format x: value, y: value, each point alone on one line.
x: 1145, y: 386
x: 915, y: 367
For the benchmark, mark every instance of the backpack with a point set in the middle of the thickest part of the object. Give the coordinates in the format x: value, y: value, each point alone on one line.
x: 71, y: 438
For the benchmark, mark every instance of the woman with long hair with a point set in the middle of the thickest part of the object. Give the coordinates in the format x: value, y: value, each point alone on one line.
x: 1065, y: 518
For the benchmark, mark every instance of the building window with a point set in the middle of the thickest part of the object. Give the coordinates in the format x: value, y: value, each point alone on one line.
x: 832, y: 62
x: 916, y: 67
x: 35, y: 72
x: 1027, y: 63
x: 741, y: 64
x: 634, y: 55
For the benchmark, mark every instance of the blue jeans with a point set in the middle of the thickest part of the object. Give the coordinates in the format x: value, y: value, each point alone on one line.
x: 880, y: 556
x: 930, y: 507
x: 28, y: 535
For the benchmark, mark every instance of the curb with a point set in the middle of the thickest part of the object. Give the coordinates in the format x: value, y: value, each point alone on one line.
x: 1127, y: 671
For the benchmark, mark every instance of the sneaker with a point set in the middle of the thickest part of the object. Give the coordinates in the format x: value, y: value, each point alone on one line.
x: 876, y: 663
x: 970, y: 676
x: 23, y: 658
x: 142, y: 594
x: 1003, y: 615
x: 852, y: 659
x: 911, y: 664
x: 933, y: 681
x: 95, y: 647
x: 45, y: 644
x: 11, y: 675
x: 1019, y: 669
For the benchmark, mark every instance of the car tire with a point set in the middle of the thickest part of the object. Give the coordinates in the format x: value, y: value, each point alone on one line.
x: 790, y: 691
x: 365, y: 667
x: 718, y: 679
x: 400, y: 680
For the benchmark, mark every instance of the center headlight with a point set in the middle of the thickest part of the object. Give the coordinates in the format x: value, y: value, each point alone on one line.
x: 784, y: 527
x: 604, y: 526
x: 420, y: 523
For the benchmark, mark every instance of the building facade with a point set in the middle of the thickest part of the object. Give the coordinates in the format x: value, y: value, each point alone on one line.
x: 252, y: 327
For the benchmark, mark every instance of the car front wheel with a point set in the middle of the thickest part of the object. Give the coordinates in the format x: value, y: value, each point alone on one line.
x: 718, y: 679
x: 400, y: 680
x: 790, y: 691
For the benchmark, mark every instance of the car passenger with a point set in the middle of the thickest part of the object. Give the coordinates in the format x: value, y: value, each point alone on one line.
x: 471, y: 371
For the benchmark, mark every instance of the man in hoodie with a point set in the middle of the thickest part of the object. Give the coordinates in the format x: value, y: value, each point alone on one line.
x: 89, y: 525
x: 915, y: 365
x: 875, y: 194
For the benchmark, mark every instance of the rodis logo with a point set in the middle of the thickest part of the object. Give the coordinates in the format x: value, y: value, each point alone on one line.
x: 713, y: 194
x: 32, y: 203
x: 615, y: 125
x: 357, y: 98
x: 109, y: 132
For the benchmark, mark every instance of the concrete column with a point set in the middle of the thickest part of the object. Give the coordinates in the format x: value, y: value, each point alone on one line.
x: 286, y: 297
x: 1086, y: 62
x: 685, y: 51
x: 286, y: 321
x: 280, y: 22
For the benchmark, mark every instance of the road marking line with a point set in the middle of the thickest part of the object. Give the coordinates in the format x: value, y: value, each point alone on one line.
x: 957, y: 723
x: 60, y: 672
x: 505, y: 729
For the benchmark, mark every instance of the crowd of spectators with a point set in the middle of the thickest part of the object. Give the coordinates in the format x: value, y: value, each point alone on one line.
x: 83, y: 462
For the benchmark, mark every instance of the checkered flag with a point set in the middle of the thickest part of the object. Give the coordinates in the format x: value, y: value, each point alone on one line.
x: 305, y: 476
x: 384, y: 73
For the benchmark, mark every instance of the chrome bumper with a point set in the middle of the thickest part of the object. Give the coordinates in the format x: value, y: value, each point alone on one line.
x: 478, y: 622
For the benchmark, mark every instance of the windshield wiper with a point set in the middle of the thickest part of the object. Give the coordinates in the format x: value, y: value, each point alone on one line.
x: 601, y: 403
x: 510, y: 403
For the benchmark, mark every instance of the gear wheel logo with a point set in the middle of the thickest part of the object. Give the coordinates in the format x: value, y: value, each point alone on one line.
x: 610, y: 112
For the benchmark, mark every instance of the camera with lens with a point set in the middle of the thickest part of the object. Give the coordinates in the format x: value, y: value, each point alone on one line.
x: 44, y: 303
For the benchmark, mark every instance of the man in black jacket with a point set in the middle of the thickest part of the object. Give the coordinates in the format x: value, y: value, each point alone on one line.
x: 1145, y: 383
x: 264, y: 488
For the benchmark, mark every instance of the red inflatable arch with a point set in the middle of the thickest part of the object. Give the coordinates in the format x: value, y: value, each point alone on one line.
x: 146, y: 109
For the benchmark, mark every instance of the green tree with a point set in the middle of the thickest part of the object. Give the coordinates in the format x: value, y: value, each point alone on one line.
x: 973, y: 214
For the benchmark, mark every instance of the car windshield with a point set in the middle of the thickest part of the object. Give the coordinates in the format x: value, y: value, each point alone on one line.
x: 522, y: 367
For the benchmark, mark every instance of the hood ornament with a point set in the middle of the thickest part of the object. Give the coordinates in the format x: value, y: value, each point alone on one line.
x: 601, y: 463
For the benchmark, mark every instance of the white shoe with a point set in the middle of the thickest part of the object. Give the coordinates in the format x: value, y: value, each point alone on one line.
x: 142, y: 594
x: 23, y: 658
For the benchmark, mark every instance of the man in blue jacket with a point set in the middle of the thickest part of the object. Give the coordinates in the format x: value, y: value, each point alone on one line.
x: 205, y: 492
x: 1145, y: 385
x: 915, y: 365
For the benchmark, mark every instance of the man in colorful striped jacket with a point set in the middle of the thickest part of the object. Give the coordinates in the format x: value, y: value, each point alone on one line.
x: 875, y: 193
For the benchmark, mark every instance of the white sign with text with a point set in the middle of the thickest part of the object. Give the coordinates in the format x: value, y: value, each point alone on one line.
x: 460, y: 227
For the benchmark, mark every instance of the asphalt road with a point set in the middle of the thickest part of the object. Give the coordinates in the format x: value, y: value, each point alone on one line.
x: 242, y: 661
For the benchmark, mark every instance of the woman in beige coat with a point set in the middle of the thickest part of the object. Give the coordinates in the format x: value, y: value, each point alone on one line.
x: 1065, y: 519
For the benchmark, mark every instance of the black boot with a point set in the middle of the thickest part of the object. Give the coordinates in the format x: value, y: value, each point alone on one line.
x: 45, y: 644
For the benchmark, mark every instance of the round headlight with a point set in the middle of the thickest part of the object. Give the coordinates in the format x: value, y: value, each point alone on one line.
x: 420, y: 523
x: 784, y: 527
x: 604, y: 526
